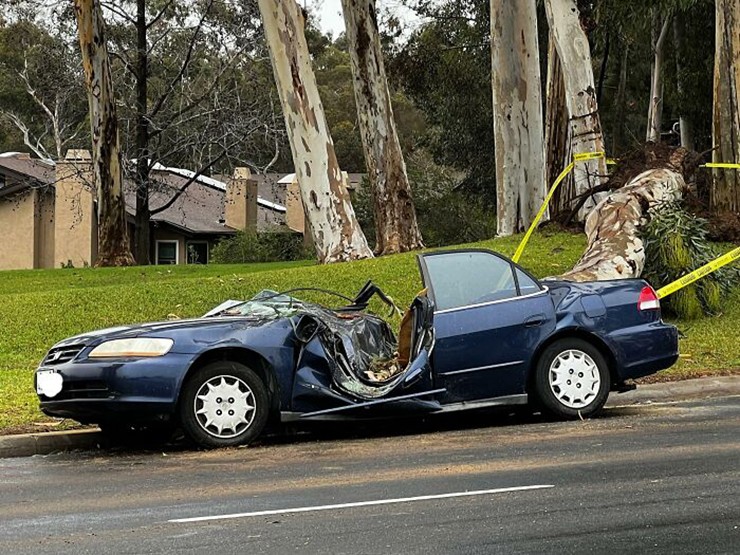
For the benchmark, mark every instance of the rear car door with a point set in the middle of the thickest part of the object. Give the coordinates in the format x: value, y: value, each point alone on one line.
x: 489, y: 317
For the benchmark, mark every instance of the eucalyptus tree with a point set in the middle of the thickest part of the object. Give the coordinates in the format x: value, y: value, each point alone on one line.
x: 332, y: 222
x: 517, y: 114
x: 396, y: 227
x: 726, y: 122
x: 583, y: 128
x: 113, y: 244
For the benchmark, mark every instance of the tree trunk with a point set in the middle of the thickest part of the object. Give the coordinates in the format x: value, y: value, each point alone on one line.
x: 655, y: 110
x: 333, y: 225
x: 580, y: 96
x: 615, y: 249
x: 113, y: 244
x: 604, y: 67
x: 517, y: 114
x: 685, y: 126
x: 396, y: 227
x: 141, y: 239
x: 620, y: 100
x: 725, y: 195
x: 557, y: 139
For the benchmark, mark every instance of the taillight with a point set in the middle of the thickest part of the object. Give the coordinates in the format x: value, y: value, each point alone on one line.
x: 648, y: 299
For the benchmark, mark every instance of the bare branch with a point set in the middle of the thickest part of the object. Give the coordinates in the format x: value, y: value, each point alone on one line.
x: 37, y: 148
x: 193, y: 179
x: 191, y: 48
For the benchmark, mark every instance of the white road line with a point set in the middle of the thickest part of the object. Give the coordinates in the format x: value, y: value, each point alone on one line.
x: 362, y: 503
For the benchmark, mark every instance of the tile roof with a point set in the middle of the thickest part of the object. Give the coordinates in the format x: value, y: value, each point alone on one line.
x: 200, y: 209
x: 21, y: 166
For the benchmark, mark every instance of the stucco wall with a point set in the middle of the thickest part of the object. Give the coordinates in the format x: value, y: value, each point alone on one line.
x: 44, y: 228
x: 75, y: 222
x: 17, y: 231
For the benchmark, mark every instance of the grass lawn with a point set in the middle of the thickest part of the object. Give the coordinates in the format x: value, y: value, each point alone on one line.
x: 40, y: 307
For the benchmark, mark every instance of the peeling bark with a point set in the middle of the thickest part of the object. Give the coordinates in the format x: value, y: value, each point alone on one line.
x: 517, y: 114
x: 585, y: 127
x: 113, y: 244
x: 332, y: 222
x: 396, y: 227
x: 725, y: 193
x: 615, y: 249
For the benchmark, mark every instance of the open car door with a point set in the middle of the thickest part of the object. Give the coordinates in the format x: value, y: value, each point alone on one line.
x: 489, y: 317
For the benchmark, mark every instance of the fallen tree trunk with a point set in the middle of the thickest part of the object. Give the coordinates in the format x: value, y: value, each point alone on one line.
x: 615, y: 249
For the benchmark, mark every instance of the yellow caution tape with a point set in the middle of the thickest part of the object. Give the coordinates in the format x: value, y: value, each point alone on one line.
x: 584, y: 156
x: 699, y: 273
x: 580, y: 157
x: 721, y: 165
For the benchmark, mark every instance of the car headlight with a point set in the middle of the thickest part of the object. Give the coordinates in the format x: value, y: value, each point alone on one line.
x: 134, y: 347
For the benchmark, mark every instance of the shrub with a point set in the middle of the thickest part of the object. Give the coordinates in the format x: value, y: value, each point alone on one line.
x: 270, y: 246
x: 676, y: 243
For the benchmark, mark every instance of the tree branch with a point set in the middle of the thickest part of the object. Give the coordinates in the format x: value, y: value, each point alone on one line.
x: 192, y: 180
x: 188, y: 56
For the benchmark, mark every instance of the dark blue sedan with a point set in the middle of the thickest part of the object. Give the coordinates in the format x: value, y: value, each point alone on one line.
x: 483, y: 332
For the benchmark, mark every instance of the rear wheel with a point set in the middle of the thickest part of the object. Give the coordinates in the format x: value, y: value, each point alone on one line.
x: 572, y: 379
x: 223, y: 404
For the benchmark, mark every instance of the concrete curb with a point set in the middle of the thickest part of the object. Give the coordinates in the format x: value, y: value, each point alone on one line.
x: 44, y: 443
x: 25, y: 445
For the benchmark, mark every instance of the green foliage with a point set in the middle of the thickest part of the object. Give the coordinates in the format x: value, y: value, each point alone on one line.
x: 445, y: 69
x: 334, y: 78
x: 249, y: 246
x: 675, y: 244
x: 446, y: 215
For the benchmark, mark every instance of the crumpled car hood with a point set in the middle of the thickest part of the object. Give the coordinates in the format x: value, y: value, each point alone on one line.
x: 156, y: 328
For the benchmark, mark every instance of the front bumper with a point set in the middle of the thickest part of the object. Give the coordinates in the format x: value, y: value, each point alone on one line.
x: 98, y: 390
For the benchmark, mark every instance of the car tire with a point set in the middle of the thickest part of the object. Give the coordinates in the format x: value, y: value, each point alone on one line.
x: 223, y: 404
x: 572, y: 379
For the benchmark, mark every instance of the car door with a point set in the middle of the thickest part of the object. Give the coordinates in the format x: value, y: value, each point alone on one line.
x: 489, y: 317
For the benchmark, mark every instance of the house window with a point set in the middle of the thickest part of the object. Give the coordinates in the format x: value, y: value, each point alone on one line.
x: 167, y: 252
x: 197, y: 252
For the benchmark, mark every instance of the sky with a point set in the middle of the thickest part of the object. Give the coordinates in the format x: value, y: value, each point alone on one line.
x: 330, y: 13
x: 330, y: 16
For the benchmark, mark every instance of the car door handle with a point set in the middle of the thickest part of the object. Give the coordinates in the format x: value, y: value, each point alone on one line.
x: 534, y: 321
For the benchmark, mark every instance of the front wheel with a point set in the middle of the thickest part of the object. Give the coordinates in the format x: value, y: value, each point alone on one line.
x: 572, y: 379
x: 223, y: 404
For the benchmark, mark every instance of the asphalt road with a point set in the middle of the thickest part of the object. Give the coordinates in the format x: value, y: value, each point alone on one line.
x: 659, y: 479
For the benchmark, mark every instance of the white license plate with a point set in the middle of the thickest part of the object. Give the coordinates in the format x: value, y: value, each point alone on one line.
x: 49, y: 383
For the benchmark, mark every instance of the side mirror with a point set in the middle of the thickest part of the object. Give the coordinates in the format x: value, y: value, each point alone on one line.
x: 306, y: 328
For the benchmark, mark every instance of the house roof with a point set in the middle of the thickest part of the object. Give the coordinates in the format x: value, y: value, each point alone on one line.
x: 23, y: 172
x: 200, y: 208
